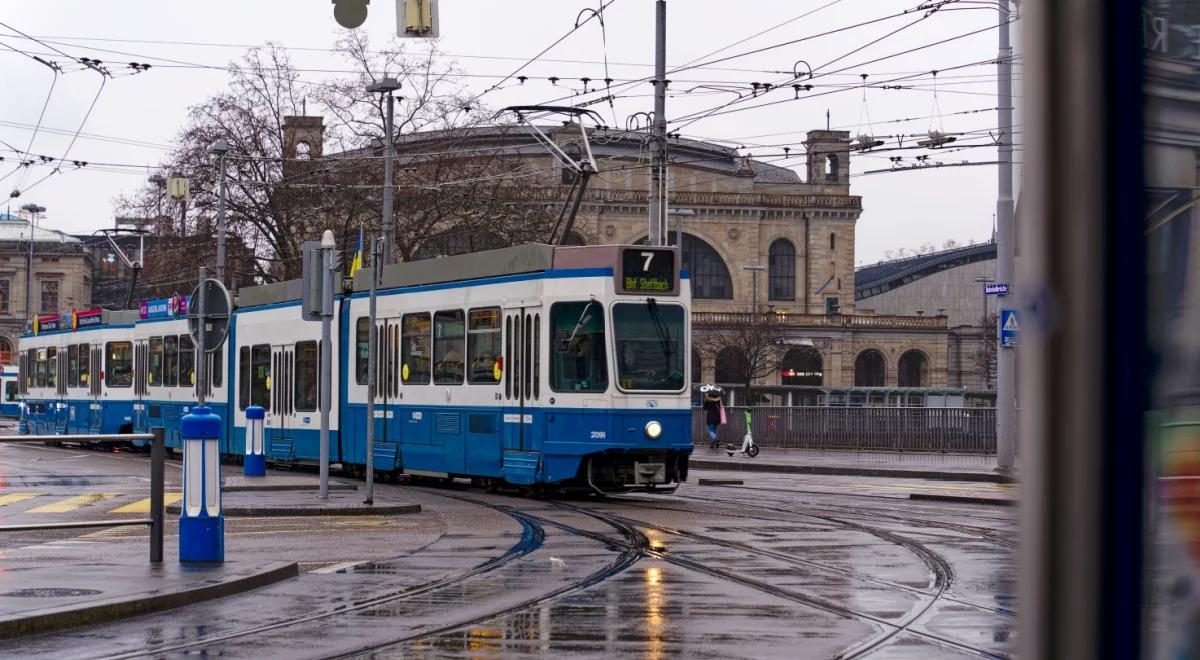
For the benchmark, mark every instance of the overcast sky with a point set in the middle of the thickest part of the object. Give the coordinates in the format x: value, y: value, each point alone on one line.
x: 491, y: 38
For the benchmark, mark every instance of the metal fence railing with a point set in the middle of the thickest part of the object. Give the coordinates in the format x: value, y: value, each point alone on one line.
x: 951, y: 430
x: 157, y: 469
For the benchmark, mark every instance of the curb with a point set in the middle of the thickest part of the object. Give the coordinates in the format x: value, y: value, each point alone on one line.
x: 962, y: 499
x: 284, y: 487
x: 744, y: 466
x: 295, y: 512
x: 112, y: 610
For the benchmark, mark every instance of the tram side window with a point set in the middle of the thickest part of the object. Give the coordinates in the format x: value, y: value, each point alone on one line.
x: 156, y: 362
x: 187, y: 361
x: 448, y: 347
x: 10, y: 391
x: 217, y: 370
x: 244, y: 377
x: 306, y: 376
x: 362, y: 331
x: 483, y: 345
x: 52, y: 367
x: 414, y: 346
x: 73, y: 365
x: 170, y: 361
x: 578, y: 360
x: 31, y: 367
x: 260, y: 375
x: 85, y: 354
x: 118, y: 366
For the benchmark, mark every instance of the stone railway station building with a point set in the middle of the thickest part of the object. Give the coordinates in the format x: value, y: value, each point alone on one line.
x: 734, y: 212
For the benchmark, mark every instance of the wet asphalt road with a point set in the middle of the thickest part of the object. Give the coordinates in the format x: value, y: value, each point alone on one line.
x: 788, y: 567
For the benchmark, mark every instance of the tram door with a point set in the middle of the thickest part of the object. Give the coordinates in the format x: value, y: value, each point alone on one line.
x: 61, y: 408
x: 280, y: 421
x: 142, y: 379
x: 92, y: 379
x: 387, y: 379
x: 522, y: 336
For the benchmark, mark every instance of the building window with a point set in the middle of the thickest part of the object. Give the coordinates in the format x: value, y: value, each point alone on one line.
x: 709, y: 276
x: 782, y: 270
x: 5, y: 288
x: 49, y: 296
x: 802, y: 366
x: 833, y: 241
x: 731, y: 367
x: 831, y: 306
x: 869, y: 369
x: 831, y: 168
x: 914, y: 369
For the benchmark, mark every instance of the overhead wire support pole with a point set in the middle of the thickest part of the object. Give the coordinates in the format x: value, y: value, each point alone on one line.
x: 372, y: 370
x: 658, y: 134
x: 386, y: 86
x: 1006, y: 391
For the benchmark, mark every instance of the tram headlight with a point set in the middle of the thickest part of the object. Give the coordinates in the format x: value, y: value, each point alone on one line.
x: 653, y: 430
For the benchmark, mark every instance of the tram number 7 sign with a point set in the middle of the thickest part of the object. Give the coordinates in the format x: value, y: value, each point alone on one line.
x: 648, y: 270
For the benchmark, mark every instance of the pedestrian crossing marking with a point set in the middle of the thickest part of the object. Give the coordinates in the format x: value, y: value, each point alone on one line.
x: 13, y: 498
x: 143, y: 505
x: 72, y: 503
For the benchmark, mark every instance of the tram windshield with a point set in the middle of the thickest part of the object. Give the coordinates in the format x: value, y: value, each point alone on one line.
x: 649, y: 341
x: 578, y: 360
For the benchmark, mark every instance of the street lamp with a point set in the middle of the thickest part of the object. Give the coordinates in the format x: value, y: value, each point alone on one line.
x: 386, y: 86
x: 219, y: 149
x: 160, y: 183
x: 680, y: 214
x: 754, y: 269
x: 33, y: 210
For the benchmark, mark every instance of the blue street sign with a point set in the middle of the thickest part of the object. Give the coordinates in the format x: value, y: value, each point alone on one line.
x: 1010, y: 330
x: 996, y: 289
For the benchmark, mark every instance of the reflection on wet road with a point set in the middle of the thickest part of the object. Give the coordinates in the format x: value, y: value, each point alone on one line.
x: 702, y: 573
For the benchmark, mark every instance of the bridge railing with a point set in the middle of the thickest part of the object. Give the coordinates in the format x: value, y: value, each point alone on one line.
x: 948, y: 430
x: 157, y: 467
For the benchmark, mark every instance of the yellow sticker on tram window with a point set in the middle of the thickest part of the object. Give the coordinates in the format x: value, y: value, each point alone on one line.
x: 404, y: 372
x: 150, y: 378
x: 496, y: 371
x: 267, y: 383
x: 192, y: 377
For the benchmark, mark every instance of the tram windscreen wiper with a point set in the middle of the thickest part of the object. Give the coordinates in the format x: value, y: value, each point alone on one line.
x: 584, y: 317
x: 660, y: 327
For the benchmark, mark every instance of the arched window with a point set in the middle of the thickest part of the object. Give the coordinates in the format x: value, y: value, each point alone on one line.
x: 730, y: 366
x: 6, y: 351
x: 697, y: 366
x: 831, y: 168
x: 913, y: 369
x: 782, y: 270
x: 869, y: 369
x: 802, y: 366
x: 573, y: 238
x: 710, y: 277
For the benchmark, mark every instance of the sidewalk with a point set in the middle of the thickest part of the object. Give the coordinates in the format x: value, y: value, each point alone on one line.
x: 105, y: 575
x: 949, y: 467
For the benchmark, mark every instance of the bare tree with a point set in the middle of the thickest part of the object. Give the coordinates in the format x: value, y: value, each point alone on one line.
x: 983, y: 358
x: 751, y: 344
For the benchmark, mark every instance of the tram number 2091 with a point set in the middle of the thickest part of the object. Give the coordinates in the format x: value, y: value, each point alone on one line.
x: 599, y: 435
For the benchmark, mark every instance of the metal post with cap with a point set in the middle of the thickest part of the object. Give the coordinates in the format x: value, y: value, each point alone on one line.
x: 255, y: 462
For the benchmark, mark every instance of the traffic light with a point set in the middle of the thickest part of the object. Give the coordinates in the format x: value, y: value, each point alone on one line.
x: 350, y: 13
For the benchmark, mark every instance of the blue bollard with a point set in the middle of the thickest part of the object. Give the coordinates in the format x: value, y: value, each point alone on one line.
x: 201, y: 524
x: 255, y: 464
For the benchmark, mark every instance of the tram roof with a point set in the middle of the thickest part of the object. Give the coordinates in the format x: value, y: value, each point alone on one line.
x: 517, y: 260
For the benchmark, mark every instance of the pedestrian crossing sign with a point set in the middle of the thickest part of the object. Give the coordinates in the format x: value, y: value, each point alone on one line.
x: 1010, y: 329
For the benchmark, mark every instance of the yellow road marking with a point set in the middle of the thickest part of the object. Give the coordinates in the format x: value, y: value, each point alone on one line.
x: 13, y: 498
x: 72, y: 503
x: 143, y: 505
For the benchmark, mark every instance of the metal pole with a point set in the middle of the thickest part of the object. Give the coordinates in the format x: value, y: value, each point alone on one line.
x: 754, y: 302
x: 157, y: 460
x: 201, y: 341
x: 389, y: 153
x: 1006, y: 391
x: 371, y: 371
x: 29, y: 273
x: 221, y: 226
x: 326, y: 357
x: 658, y: 138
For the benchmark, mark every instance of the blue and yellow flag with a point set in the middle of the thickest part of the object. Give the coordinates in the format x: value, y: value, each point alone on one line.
x: 357, y: 263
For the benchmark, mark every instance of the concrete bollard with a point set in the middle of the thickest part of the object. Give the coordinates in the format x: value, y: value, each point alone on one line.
x: 255, y: 464
x: 201, y: 524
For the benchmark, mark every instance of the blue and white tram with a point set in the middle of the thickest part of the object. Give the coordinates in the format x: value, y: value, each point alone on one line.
x: 10, y: 404
x: 77, y: 379
x: 164, y: 386
x: 527, y: 366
